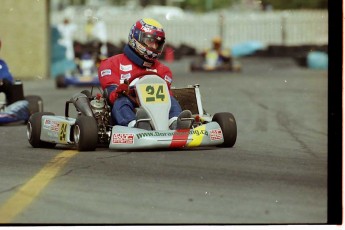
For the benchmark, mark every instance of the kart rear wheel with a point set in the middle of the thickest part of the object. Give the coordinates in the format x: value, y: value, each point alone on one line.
x: 228, y: 125
x: 60, y: 81
x: 33, y: 131
x: 85, y: 133
x: 35, y: 103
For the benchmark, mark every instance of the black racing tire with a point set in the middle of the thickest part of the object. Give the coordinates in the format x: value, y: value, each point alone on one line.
x: 60, y: 82
x: 33, y: 131
x: 35, y: 103
x: 85, y: 133
x: 228, y: 125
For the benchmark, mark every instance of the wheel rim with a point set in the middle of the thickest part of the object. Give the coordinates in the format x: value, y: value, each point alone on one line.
x: 76, y: 134
x: 29, y: 130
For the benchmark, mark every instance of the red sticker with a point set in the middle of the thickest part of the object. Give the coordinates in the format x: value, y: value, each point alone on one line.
x: 123, y: 138
x: 216, y: 134
x: 180, y: 138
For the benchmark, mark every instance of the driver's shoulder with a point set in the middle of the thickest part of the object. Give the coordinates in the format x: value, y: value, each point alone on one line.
x: 161, y: 67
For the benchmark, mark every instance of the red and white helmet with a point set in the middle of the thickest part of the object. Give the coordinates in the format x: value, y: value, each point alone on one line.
x: 143, y: 32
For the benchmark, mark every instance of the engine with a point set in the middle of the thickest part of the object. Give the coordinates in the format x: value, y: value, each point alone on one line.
x: 101, y: 112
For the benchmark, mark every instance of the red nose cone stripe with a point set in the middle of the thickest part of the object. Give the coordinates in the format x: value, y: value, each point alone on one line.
x: 179, y: 139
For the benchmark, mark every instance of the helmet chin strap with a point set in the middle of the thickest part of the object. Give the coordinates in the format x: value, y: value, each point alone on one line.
x: 135, y: 58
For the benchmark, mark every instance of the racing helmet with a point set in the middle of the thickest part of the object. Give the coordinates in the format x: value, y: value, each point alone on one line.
x: 217, y: 40
x: 147, y: 38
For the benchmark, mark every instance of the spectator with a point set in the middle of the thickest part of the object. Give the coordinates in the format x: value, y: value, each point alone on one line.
x: 67, y: 30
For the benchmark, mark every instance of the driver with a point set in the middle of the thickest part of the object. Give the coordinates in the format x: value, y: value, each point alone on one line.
x: 6, y: 79
x: 223, y: 54
x: 145, y: 43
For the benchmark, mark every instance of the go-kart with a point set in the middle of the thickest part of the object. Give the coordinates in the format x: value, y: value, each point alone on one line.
x: 84, y: 75
x: 93, y: 126
x: 15, y: 107
x: 210, y: 62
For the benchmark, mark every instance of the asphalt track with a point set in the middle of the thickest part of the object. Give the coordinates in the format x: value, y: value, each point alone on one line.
x: 275, y: 174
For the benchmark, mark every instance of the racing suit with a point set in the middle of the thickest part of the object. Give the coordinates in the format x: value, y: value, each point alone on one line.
x: 17, y: 108
x: 114, y: 70
x: 6, y: 79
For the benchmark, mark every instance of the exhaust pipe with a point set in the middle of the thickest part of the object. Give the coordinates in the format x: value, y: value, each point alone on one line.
x: 82, y: 104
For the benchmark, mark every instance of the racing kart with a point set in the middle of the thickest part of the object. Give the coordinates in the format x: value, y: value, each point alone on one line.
x: 84, y: 75
x: 15, y: 107
x: 93, y: 126
x: 210, y: 62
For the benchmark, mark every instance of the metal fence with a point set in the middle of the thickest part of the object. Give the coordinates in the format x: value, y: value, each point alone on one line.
x: 302, y: 27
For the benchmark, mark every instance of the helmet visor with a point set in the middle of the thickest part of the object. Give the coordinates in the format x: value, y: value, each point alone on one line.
x: 152, y: 42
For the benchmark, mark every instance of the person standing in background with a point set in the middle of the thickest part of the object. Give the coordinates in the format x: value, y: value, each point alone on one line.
x: 100, y: 33
x: 67, y: 30
x: 89, y: 29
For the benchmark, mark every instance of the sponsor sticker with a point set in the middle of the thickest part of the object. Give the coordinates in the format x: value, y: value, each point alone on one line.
x: 63, y: 132
x: 105, y: 72
x: 216, y: 134
x: 51, y: 125
x: 147, y: 64
x: 167, y: 78
x: 125, y: 76
x: 146, y: 29
x: 123, y: 138
x: 152, y: 70
x: 125, y: 67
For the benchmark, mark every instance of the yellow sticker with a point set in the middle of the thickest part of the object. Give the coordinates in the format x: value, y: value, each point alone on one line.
x: 198, y: 134
x: 62, y: 133
x: 154, y: 93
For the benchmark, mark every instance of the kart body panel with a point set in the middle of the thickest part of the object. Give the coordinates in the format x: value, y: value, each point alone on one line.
x: 153, y: 94
x: 57, y: 129
x: 126, y: 138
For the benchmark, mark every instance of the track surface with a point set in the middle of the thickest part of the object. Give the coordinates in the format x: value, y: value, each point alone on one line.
x: 275, y: 173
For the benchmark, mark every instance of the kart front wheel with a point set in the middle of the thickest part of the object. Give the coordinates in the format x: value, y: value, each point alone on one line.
x: 85, y: 133
x: 33, y: 131
x: 228, y: 125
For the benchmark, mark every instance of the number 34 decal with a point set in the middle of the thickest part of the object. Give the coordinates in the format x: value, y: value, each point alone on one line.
x: 155, y: 93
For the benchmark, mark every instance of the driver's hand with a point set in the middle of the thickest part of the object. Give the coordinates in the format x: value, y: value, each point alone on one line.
x: 122, y: 89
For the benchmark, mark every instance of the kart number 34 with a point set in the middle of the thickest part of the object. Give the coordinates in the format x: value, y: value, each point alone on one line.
x: 154, y: 93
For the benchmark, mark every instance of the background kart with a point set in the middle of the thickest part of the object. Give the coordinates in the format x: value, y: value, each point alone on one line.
x: 210, y: 63
x: 16, y: 107
x: 84, y: 75
x: 93, y: 126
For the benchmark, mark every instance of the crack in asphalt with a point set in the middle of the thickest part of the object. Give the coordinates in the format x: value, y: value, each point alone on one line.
x: 283, y: 120
x: 11, y: 189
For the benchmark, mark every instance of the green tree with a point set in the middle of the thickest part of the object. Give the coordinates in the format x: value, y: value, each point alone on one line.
x: 206, y: 5
x: 297, y: 4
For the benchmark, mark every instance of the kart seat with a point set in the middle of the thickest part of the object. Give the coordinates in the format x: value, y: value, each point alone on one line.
x: 186, y: 98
